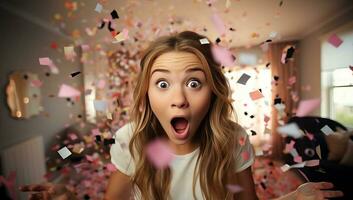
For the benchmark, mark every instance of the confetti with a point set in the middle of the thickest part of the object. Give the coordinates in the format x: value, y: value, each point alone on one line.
x: 291, y: 130
x: 36, y: 83
x: 289, y: 146
x: 68, y: 91
x: 75, y: 74
x: 45, y: 61
x: 218, y: 23
x: 234, y: 188
x: 204, y: 41
x: 255, y: 95
x: 100, y: 105
x: 243, y: 79
x: 292, y: 80
x: 247, y: 59
x: 288, y: 54
x: 298, y: 159
x: 159, y: 153
x: 335, y: 40
x: 307, y: 106
x: 114, y: 14
x: 69, y: 52
x: 222, y: 55
x: 98, y: 8
x: 327, y: 130
x: 121, y: 36
x: 64, y: 152
x: 111, y: 167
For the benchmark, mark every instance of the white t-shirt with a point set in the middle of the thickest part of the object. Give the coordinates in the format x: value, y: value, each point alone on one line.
x: 182, y: 166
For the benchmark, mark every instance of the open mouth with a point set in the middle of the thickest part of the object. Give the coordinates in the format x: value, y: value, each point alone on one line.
x: 180, y: 127
x: 179, y: 124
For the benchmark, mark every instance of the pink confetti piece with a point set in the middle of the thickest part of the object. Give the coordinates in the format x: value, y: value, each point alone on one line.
x: 219, y: 24
x: 307, y: 106
x: 124, y: 35
x: 89, y: 158
x: 72, y: 136
x: 222, y: 55
x: 45, y: 61
x: 266, y: 118
x: 36, y: 83
x: 85, y: 47
x: 233, y: 188
x: 312, y: 163
x: 68, y: 91
x: 292, y: 80
x: 298, y: 159
x: 310, y: 136
x: 255, y: 95
x: 335, y: 40
x: 245, y: 155
x: 95, y: 132
x: 159, y: 153
x: 289, y: 147
x: 111, y: 167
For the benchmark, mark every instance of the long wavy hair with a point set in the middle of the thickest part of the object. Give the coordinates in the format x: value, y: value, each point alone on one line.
x: 217, y: 132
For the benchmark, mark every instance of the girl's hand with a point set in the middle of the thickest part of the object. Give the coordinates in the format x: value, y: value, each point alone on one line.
x: 316, y: 191
x: 48, y: 191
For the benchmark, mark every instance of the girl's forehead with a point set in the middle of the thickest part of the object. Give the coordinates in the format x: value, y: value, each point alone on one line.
x: 176, y: 58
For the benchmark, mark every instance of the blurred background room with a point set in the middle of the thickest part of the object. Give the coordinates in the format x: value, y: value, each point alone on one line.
x: 68, y: 69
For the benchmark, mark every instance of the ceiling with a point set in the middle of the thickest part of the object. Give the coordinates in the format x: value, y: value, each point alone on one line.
x: 253, y: 21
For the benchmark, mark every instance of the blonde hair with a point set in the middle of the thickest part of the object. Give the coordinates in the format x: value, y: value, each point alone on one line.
x: 217, y: 132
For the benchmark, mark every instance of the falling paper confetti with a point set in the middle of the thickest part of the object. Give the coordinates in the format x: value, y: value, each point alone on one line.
x: 100, y: 105
x: 98, y: 8
x: 327, y: 130
x: 222, y: 55
x: 68, y: 91
x: 121, y: 36
x: 335, y: 40
x: 218, y: 23
x: 307, y: 106
x: 69, y: 52
x: 243, y: 79
x: 234, y: 188
x: 64, y: 152
x: 255, y: 95
x: 159, y: 153
x: 204, y: 41
x: 291, y: 130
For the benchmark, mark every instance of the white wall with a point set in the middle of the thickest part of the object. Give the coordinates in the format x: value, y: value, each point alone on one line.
x: 310, y: 56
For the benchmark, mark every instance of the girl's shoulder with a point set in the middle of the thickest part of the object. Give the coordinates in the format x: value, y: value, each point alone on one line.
x: 124, y: 133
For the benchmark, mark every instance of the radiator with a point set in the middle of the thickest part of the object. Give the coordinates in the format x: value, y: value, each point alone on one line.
x: 27, y: 159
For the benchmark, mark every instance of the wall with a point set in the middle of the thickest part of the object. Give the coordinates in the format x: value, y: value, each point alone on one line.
x: 22, y: 43
x: 310, y: 51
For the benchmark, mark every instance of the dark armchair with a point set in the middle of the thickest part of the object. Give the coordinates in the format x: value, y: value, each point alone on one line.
x: 332, y: 171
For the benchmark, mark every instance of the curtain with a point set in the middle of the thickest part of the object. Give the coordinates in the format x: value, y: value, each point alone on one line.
x: 285, y: 89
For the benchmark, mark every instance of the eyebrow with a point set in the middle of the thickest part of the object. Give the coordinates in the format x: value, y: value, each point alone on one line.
x: 191, y: 69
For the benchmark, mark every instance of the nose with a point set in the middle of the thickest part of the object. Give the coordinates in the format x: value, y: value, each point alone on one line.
x: 179, y: 99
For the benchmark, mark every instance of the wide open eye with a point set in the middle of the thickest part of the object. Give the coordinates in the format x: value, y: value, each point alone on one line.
x: 162, y: 84
x: 194, y: 83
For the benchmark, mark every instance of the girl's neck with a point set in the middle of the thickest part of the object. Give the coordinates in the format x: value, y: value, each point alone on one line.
x: 183, y: 148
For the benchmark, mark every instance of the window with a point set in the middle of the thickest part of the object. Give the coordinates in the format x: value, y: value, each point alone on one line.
x: 251, y: 114
x: 337, y: 77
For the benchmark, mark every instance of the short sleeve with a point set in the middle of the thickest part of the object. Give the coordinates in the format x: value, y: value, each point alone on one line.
x: 244, y: 154
x: 119, y: 151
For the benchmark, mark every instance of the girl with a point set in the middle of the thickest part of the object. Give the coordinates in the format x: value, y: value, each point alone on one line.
x: 182, y: 96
